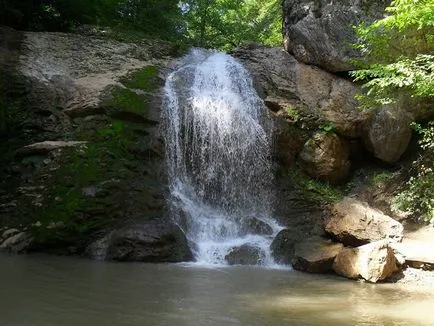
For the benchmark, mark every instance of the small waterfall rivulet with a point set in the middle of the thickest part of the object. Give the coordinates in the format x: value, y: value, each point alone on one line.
x: 218, y: 144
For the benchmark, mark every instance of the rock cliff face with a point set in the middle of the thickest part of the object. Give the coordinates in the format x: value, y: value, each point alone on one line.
x: 81, y: 152
x: 320, y: 32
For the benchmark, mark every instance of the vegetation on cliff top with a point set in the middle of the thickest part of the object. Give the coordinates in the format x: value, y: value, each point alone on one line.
x: 219, y: 24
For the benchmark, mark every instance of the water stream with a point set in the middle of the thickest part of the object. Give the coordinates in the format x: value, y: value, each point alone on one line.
x: 218, y: 143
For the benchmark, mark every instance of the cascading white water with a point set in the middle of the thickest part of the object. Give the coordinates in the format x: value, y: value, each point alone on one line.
x: 218, y: 143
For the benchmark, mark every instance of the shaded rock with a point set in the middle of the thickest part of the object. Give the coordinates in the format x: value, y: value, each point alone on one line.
x: 388, y: 133
x: 17, y: 243
x: 153, y: 241
x: 245, y: 255
x: 294, y: 90
x: 321, y: 32
x: 355, y: 223
x: 326, y: 156
x: 283, y: 245
x: 98, y: 249
x: 315, y: 255
x: 253, y: 225
x: 9, y: 232
x: 46, y: 146
x: 373, y: 262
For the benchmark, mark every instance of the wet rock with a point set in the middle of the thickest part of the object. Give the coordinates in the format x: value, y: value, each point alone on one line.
x: 98, y: 249
x: 355, y: 223
x: 9, y: 232
x: 153, y: 241
x: 373, y: 262
x: 388, y: 133
x: 283, y: 245
x: 321, y: 32
x: 17, y: 243
x: 245, y: 255
x: 45, y: 147
x: 253, y: 225
x: 326, y: 157
x: 315, y: 255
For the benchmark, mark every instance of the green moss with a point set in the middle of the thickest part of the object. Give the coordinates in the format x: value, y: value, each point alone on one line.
x: 143, y: 79
x: 123, y: 99
x: 314, y: 190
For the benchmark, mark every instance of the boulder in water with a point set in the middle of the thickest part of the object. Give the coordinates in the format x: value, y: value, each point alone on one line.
x: 253, y: 225
x: 154, y: 241
x: 315, y: 255
x: 373, y: 262
x: 245, y: 255
x: 283, y: 245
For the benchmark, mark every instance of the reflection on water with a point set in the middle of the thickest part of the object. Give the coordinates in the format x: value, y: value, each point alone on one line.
x: 45, y: 291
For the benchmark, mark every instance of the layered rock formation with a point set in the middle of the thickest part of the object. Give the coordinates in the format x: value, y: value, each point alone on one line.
x: 82, y: 153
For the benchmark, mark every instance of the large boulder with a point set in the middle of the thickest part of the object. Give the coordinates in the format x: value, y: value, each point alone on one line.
x: 154, y: 241
x: 321, y: 32
x: 283, y: 245
x: 245, y: 255
x: 355, y: 223
x: 303, y: 93
x: 388, y: 132
x: 326, y: 157
x: 373, y: 262
x: 315, y: 255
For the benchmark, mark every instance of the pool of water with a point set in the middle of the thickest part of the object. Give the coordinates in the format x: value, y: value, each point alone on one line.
x: 56, y: 291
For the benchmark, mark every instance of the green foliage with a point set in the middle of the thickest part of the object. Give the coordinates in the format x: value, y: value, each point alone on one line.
x: 141, y: 79
x: 327, y: 128
x: 225, y: 24
x: 418, y: 196
x: 313, y: 190
x: 398, y: 51
x: 399, y: 65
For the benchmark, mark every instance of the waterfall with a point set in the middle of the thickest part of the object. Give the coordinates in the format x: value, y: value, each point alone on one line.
x: 218, y: 147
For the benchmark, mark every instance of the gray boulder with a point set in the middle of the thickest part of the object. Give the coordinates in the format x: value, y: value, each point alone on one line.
x: 245, y: 255
x: 283, y: 245
x: 321, y: 32
x: 388, y: 133
x: 153, y: 241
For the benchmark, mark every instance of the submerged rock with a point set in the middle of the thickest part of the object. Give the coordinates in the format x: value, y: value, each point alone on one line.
x: 283, y: 245
x: 253, y: 225
x: 153, y: 241
x: 373, y: 262
x: 245, y: 255
x: 315, y: 255
x: 355, y: 223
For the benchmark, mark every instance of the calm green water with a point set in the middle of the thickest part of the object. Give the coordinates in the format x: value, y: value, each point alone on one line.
x: 45, y: 291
